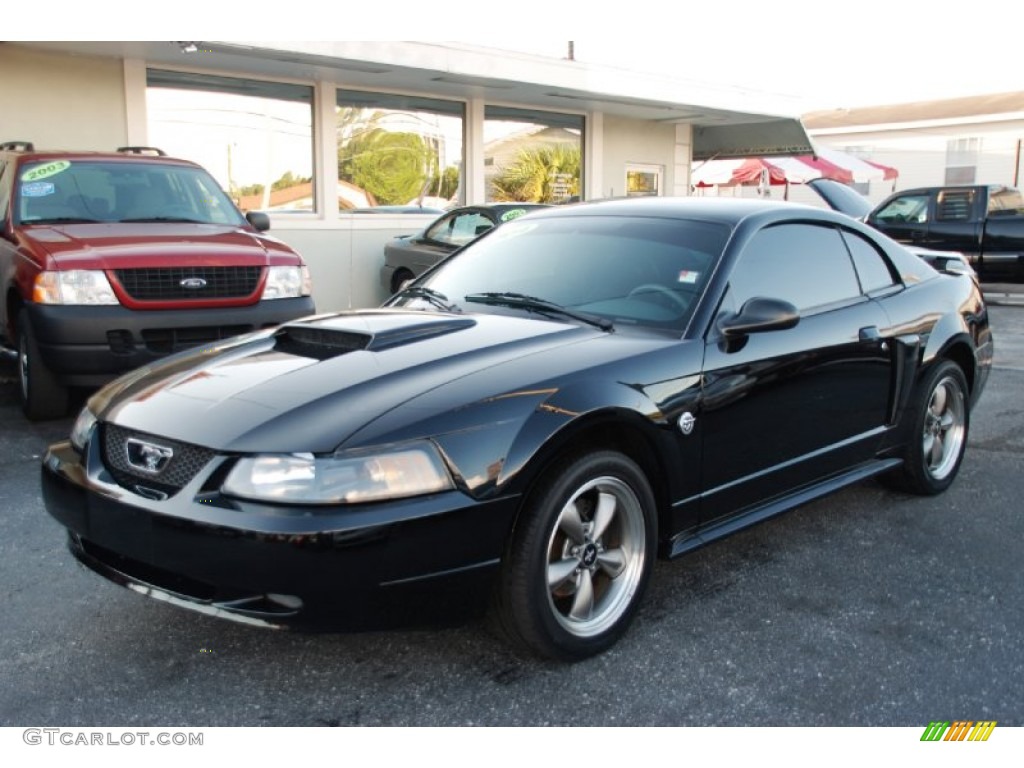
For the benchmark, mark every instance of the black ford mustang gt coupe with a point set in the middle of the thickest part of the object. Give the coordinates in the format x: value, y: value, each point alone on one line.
x: 652, y: 375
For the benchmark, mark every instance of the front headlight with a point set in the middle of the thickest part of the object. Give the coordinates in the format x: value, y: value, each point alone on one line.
x: 287, y: 283
x: 394, y: 472
x: 82, y: 429
x: 76, y: 286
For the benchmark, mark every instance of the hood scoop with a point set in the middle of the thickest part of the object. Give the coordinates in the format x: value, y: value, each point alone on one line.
x: 377, y: 333
x: 318, y: 343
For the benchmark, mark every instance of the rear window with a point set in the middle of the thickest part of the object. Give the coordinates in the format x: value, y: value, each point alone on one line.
x: 84, y: 191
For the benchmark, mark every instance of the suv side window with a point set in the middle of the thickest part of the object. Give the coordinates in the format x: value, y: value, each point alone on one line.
x: 804, y: 264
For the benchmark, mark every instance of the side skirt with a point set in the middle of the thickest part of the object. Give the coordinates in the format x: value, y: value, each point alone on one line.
x: 687, y: 542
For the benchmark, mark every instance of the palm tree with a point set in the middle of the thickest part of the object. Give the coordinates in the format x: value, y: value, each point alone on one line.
x: 548, y: 174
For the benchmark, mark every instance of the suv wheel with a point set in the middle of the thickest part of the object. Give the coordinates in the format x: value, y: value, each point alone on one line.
x: 42, y: 397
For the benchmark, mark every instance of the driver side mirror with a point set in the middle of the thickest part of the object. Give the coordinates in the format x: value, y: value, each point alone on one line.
x: 759, y: 315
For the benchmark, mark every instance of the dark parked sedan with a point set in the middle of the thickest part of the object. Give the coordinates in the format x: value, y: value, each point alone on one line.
x: 409, y: 256
x: 651, y: 376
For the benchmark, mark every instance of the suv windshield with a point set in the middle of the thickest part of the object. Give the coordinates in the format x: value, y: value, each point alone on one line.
x: 631, y: 270
x: 71, y: 191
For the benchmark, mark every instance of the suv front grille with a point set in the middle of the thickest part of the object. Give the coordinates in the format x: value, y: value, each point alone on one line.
x: 185, y: 463
x: 174, y: 283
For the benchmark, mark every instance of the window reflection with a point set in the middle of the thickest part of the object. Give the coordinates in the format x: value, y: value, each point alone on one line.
x: 255, y: 137
x: 398, y: 151
x: 532, y: 156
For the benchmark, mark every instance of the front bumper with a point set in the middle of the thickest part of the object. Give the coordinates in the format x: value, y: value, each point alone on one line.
x: 417, y: 561
x: 87, y: 346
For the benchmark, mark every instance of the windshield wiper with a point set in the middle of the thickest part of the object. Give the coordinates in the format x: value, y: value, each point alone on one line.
x: 150, y: 219
x: 64, y: 220
x: 436, y: 298
x: 522, y: 301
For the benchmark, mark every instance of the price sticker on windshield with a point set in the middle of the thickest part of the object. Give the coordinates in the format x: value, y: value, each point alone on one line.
x: 45, y: 171
x: 688, y: 276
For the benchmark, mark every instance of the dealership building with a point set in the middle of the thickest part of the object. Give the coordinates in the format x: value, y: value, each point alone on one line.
x: 333, y: 139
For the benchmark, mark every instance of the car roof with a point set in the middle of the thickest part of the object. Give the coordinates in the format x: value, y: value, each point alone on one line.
x: 37, y: 155
x: 729, y: 211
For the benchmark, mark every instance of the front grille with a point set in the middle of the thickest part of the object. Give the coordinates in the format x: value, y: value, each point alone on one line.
x: 164, y: 341
x: 166, y: 283
x: 186, y: 462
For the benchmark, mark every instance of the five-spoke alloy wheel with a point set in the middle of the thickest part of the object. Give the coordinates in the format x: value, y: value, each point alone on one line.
x: 580, y: 558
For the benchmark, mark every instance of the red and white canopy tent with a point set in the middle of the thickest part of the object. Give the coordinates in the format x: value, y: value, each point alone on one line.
x: 824, y: 164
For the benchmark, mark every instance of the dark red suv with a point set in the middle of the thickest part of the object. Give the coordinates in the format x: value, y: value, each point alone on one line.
x: 112, y: 260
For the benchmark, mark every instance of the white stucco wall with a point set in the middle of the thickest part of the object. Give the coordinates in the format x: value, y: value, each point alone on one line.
x: 62, y: 101
x: 638, y: 142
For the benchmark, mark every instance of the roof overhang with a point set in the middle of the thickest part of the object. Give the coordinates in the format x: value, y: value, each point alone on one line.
x: 728, y: 121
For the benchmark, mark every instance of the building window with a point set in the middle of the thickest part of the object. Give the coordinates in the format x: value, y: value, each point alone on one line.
x: 532, y: 156
x: 398, y: 150
x: 643, y: 180
x: 254, y: 136
x: 962, y: 160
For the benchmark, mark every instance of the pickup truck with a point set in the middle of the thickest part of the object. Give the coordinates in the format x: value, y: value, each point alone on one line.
x: 985, y: 223
x: 111, y: 261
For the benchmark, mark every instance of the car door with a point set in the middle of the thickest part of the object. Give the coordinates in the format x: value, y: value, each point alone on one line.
x: 786, y: 408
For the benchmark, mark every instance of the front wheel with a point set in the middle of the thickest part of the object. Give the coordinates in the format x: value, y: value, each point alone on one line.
x: 580, y: 558
x: 42, y: 396
x: 941, y: 419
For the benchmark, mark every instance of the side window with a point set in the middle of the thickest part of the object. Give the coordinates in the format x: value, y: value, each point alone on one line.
x: 954, y: 205
x: 804, y: 264
x: 906, y: 209
x: 872, y: 267
x: 469, y: 227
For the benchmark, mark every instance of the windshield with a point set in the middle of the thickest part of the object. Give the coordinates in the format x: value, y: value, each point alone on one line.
x: 83, y: 191
x: 631, y: 270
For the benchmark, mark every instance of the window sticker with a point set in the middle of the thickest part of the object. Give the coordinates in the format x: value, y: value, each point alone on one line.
x: 515, y: 213
x: 45, y: 171
x: 38, y: 189
x: 688, y: 276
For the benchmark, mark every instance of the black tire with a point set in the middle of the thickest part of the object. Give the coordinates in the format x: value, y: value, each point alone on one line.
x: 42, y: 396
x: 580, y: 558
x: 940, y: 421
x: 399, y: 279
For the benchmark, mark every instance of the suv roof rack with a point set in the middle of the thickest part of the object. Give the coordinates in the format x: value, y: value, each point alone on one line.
x: 142, y: 151
x: 17, y: 146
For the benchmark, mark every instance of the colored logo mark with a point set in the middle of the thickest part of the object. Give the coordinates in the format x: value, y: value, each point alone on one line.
x: 960, y: 730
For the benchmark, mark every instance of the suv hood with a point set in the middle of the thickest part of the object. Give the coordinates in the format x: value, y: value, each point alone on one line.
x: 310, y: 385
x: 126, y: 246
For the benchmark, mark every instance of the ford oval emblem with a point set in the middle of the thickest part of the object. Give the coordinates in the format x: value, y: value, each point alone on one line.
x: 193, y: 282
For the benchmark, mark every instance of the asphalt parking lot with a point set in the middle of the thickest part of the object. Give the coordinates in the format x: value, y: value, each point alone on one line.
x: 866, y: 608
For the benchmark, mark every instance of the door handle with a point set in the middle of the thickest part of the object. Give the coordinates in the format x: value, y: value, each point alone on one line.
x: 869, y: 333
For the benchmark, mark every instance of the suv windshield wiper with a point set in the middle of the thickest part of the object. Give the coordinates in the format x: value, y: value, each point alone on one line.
x: 63, y: 220
x: 147, y: 219
x: 436, y: 298
x: 522, y: 301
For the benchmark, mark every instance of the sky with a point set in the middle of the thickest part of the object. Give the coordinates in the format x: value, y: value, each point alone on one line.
x: 812, y: 55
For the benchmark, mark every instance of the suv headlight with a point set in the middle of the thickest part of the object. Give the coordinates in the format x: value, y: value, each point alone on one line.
x: 393, y: 472
x: 76, y: 286
x: 287, y: 283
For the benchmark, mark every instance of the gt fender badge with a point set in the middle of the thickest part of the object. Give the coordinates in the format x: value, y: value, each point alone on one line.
x: 686, y: 423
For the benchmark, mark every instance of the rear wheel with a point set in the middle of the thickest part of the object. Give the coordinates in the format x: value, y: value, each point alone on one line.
x: 42, y: 396
x: 941, y: 420
x: 580, y: 560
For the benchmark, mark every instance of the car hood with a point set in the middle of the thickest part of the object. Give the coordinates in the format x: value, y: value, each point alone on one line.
x: 311, y: 384
x: 118, y: 246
